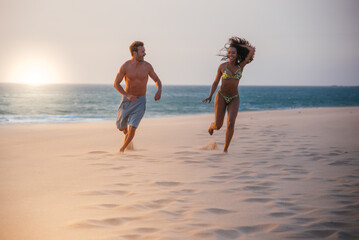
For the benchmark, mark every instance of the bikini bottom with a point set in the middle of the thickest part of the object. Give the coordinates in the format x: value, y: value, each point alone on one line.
x: 228, y: 99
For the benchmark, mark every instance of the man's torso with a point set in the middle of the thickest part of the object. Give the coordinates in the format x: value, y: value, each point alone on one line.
x: 136, y: 78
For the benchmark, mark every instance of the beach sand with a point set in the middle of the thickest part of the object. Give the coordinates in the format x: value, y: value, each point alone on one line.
x: 289, y: 174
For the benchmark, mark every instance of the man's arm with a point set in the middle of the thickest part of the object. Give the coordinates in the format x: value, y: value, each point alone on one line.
x: 158, y: 82
x: 117, y: 84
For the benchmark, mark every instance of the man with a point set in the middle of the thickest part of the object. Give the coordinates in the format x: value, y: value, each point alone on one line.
x: 133, y: 104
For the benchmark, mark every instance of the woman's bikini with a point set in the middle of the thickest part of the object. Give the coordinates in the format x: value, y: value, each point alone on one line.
x: 227, y: 74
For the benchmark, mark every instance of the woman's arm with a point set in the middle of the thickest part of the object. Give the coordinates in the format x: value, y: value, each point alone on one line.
x: 214, y: 85
x: 251, y: 51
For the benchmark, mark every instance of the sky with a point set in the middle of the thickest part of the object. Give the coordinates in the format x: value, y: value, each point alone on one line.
x: 298, y: 42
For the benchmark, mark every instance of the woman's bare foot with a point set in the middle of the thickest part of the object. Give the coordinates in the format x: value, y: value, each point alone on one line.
x: 210, y: 130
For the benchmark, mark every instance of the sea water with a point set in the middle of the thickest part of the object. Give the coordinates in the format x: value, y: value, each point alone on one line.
x: 78, y: 103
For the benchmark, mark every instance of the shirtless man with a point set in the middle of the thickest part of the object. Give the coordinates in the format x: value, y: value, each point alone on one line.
x: 133, y: 104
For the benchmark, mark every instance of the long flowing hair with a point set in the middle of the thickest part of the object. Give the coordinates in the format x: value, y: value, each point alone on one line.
x: 237, y: 43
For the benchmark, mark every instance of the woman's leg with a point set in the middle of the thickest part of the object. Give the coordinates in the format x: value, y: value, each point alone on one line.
x: 233, y: 107
x: 219, y: 113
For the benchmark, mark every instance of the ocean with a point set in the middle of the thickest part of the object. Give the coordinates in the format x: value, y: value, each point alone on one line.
x: 83, y: 103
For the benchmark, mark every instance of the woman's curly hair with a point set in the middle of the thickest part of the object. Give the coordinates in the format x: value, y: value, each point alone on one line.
x: 242, y: 52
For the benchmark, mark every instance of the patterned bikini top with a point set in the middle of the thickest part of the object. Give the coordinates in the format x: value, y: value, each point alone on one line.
x: 227, y: 74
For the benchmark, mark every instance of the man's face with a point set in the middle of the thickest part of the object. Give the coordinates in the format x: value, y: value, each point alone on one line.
x: 140, y: 54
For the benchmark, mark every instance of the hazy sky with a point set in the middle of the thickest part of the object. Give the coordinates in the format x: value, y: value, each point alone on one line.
x: 299, y: 42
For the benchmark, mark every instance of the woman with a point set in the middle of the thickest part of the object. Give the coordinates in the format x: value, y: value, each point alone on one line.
x: 239, y: 53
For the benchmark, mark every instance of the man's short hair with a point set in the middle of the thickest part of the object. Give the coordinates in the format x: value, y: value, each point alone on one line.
x: 134, y: 46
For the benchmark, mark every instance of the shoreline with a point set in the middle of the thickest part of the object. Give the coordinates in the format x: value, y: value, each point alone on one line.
x: 95, y: 120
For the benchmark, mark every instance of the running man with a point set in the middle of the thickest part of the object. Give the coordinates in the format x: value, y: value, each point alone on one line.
x: 133, y: 104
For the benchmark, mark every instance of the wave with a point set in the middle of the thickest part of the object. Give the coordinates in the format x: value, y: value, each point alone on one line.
x: 85, y: 103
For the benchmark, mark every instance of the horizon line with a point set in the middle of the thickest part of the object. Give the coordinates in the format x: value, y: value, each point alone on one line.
x: 180, y: 85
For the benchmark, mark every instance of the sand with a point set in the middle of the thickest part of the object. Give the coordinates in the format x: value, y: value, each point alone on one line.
x: 289, y: 174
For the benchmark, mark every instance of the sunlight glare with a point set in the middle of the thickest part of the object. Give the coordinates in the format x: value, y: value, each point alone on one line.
x: 35, y: 71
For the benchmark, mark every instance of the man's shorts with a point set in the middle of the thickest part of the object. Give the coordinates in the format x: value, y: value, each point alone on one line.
x: 130, y: 113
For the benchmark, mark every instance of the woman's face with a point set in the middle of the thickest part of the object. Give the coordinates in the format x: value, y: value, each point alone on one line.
x: 232, y: 54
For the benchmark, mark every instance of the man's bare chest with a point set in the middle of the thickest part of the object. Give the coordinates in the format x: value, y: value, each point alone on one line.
x: 137, y: 73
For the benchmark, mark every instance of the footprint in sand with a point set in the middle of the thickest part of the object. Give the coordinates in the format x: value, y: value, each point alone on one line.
x: 258, y: 200
x: 105, y: 206
x: 226, y: 233
x: 97, y: 152
x: 281, y: 214
x: 144, y: 230
x: 218, y: 211
x: 313, y: 234
x: 102, y: 192
x: 168, y: 184
x: 101, y: 223
x: 257, y: 228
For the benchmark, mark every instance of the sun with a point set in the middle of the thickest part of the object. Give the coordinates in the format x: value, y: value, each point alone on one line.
x: 35, y: 72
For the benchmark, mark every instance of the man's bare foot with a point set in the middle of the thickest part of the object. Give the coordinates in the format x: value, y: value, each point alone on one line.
x: 129, y: 147
x: 225, y: 150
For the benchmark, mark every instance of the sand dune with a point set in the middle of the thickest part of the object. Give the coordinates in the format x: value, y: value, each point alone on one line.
x: 291, y: 174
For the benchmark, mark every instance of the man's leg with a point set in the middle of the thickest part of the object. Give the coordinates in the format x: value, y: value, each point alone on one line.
x: 128, y: 138
x: 124, y: 130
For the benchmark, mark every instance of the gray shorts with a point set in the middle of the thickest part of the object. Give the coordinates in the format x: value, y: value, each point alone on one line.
x: 130, y: 113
